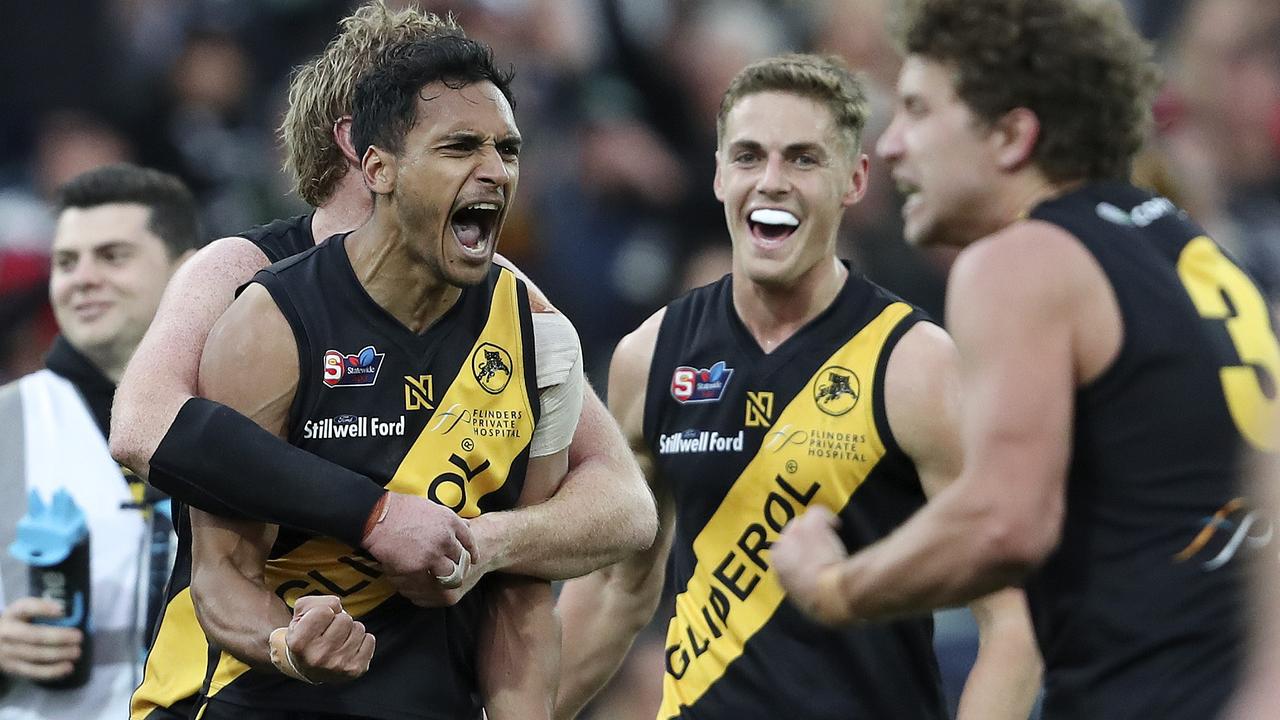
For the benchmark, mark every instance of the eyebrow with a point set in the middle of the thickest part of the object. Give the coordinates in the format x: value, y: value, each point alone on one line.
x: 791, y: 149
x: 475, y: 138
x: 97, y: 247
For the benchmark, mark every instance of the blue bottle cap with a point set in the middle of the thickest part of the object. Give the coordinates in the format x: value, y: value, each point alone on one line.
x: 48, y: 533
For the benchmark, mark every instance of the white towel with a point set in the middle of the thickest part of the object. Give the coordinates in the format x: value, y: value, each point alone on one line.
x: 65, y: 449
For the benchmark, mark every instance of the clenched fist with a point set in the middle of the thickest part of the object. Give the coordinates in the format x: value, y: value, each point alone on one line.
x: 322, y: 643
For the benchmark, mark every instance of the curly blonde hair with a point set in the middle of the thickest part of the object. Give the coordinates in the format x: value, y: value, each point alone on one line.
x: 823, y: 78
x: 1077, y: 64
x: 320, y: 91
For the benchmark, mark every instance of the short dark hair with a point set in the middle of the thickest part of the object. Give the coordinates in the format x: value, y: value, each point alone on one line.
x: 1079, y: 66
x: 174, y: 218
x: 384, y: 108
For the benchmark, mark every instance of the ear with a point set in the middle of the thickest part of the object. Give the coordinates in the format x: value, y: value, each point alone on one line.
x: 857, y: 182
x: 379, y: 170
x: 342, y: 136
x: 717, y: 184
x: 1015, y: 136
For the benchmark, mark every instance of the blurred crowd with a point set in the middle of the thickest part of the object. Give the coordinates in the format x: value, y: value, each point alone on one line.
x: 616, y: 100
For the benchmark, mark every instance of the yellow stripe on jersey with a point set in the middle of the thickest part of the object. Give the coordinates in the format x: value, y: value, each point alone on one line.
x: 483, y: 422
x: 177, y: 662
x: 822, y: 447
x: 480, y: 427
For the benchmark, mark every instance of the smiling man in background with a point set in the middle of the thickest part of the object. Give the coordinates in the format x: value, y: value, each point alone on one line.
x: 121, y: 233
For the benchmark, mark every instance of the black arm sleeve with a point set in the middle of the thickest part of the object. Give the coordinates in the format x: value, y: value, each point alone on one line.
x: 220, y: 461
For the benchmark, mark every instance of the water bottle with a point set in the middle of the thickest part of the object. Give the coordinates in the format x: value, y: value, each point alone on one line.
x: 53, y: 540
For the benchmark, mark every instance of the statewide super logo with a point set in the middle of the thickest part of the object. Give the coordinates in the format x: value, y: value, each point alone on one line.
x: 694, y: 385
x: 359, y: 369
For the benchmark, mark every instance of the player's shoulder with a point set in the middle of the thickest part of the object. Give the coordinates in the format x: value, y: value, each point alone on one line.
x: 252, y: 250
x: 538, y: 300
x: 629, y: 372
x: 923, y: 346
x: 634, y: 352
x: 1028, y: 257
x: 292, y: 263
x: 862, y: 283
x: 254, y: 311
x: 253, y: 324
x: 1035, y: 282
x: 690, y: 310
x: 921, y: 365
x: 282, y: 238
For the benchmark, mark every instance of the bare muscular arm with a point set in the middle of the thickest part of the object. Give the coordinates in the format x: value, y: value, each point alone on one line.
x: 922, y: 398
x: 520, y: 641
x: 602, y: 512
x: 603, y: 612
x: 921, y: 401
x: 162, y: 375
x: 1033, y: 317
x: 229, y: 557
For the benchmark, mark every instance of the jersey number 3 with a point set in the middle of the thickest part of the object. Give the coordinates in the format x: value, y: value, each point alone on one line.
x: 1222, y: 292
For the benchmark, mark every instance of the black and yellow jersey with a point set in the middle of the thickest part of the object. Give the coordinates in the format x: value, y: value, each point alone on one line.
x: 747, y: 441
x: 448, y: 415
x: 1138, y: 612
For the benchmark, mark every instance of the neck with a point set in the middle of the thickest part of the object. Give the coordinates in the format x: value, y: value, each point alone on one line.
x: 1023, y: 195
x: 773, y: 313
x: 110, y: 361
x: 396, y: 277
x: 347, y: 209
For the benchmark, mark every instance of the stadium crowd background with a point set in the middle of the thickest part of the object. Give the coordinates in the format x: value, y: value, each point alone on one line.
x: 616, y: 100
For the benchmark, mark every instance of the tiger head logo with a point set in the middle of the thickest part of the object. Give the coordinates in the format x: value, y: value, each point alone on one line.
x: 838, y: 390
x: 492, y: 367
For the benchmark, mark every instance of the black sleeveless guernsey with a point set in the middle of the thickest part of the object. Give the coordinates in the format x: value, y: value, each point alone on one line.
x: 748, y: 440
x: 447, y: 414
x: 1138, y: 611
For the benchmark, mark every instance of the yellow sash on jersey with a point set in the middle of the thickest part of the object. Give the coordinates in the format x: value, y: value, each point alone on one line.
x: 479, y: 428
x: 177, y: 661
x: 822, y: 447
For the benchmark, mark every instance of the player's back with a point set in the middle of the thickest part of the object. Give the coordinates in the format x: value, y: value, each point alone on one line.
x: 748, y: 440
x: 280, y: 239
x: 1138, y: 611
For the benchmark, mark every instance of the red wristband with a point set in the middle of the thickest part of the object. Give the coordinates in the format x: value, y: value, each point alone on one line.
x: 376, y: 515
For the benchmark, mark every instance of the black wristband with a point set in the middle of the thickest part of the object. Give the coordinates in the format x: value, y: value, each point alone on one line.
x: 220, y: 461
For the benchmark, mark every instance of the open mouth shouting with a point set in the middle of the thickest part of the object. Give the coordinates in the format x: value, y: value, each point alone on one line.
x: 771, y: 227
x: 475, y: 226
